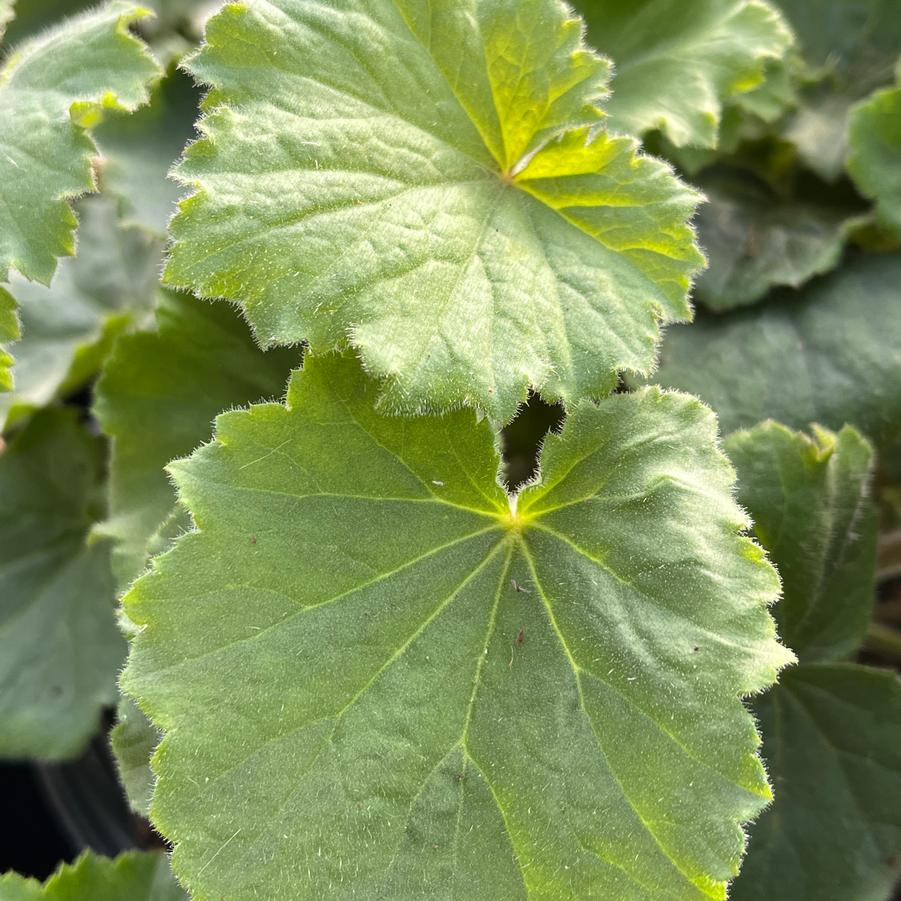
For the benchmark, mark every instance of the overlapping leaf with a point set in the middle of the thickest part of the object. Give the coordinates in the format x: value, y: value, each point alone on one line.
x: 131, y: 876
x: 677, y: 63
x: 52, y: 89
x: 60, y: 648
x: 536, y: 698
x: 832, y: 740
x: 756, y: 240
x: 850, y: 49
x: 157, y: 400
x: 431, y: 183
x: 67, y: 329
x: 133, y: 739
x: 875, y: 155
x: 810, y: 502
x: 827, y: 354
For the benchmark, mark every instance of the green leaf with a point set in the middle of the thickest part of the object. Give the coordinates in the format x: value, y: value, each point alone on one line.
x: 68, y: 328
x: 850, y: 49
x: 874, y: 160
x: 832, y: 739
x: 60, y: 647
x: 6, y: 14
x: 810, y: 502
x: 133, y: 739
x: 677, y: 63
x: 52, y: 89
x: 826, y: 354
x: 10, y: 330
x: 139, y: 150
x: 374, y: 670
x: 459, y: 220
x: 755, y: 240
x: 132, y: 875
x: 157, y: 399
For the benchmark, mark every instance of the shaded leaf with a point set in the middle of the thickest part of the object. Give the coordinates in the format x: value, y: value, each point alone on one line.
x: 140, y: 149
x: 830, y: 353
x: 67, y: 329
x: 810, y: 502
x: 133, y: 739
x: 128, y: 877
x: 60, y: 648
x: 875, y: 155
x: 677, y: 63
x: 832, y: 740
x: 461, y: 221
x: 157, y: 400
x: 756, y: 240
x: 539, y: 697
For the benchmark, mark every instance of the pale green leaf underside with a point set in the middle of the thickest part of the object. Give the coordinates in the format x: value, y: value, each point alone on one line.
x: 133, y: 739
x: 874, y: 160
x: 827, y: 354
x: 129, y: 877
x: 67, y: 329
x: 756, y: 240
x: 832, y: 739
x: 60, y: 648
x: 378, y: 681
x: 157, y: 400
x: 812, y: 511
x: 422, y: 182
x: 677, y: 62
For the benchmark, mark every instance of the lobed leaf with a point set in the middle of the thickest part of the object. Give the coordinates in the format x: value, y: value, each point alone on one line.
x: 60, y: 648
x: 68, y: 328
x: 810, y: 501
x: 874, y: 160
x: 677, y: 63
x: 132, y: 875
x: 452, y: 694
x: 431, y: 185
x: 828, y: 354
x: 832, y: 740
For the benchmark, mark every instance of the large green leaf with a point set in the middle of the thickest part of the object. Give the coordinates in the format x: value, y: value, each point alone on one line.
x: 60, y: 648
x: 375, y: 672
x: 53, y: 88
x: 832, y: 739
x: 431, y: 185
x: 875, y: 156
x: 131, y: 876
x: 67, y: 328
x: 756, y: 240
x: 157, y: 399
x: 850, y: 47
x: 827, y: 354
x: 677, y: 62
x: 810, y: 502
x: 140, y: 149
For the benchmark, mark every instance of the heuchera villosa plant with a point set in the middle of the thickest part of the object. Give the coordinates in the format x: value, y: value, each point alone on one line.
x: 366, y: 659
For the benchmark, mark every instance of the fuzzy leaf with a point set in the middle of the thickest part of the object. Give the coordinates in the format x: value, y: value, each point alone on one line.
x: 128, y: 877
x: 67, y: 329
x: 677, y: 63
x: 371, y: 666
x: 828, y: 354
x: 157, y: 399
x: 52, y: 89
x: 875, y: 156
x: 60, y: 648
x: 756, y: 240
x: 430, y: 183
x: 132, y: 740
x: 832, y: 739
x: 809, y: 499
